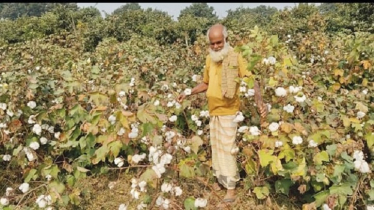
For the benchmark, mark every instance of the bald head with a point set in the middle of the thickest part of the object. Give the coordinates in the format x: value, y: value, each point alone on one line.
x: 217, y: 31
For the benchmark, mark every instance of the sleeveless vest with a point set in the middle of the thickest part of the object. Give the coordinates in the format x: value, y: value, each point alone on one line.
x: 230, y: 72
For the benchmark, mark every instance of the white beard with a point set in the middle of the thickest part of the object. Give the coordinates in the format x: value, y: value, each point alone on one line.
x: 218, y: 56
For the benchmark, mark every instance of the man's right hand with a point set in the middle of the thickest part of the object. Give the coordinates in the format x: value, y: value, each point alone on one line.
x: 181, y: 97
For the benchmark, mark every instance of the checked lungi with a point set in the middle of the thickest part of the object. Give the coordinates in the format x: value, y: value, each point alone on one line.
x: 222, y: 139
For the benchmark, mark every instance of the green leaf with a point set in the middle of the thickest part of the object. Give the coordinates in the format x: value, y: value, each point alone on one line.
x: 115, y: 147
x: 95, y: 70
x: 321, y: 156
x: 186, y: 170
x: 283, y: 186
x: 342, y: 189
x: 371, y: 195
x: 321, y: 197
x: 261, y: 192
x: 189, y: 203
x: 266, y: 156
x: 331, y: 149
x: 31, y: 175
x: 338, y: 170
x: 369, y: 137
x: 149, y: 176
x: 55, y: 186
x: 100, y: 154
x: 146, y: 128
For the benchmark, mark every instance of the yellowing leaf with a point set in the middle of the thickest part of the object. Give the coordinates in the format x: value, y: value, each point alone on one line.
x: 286, y: 127
x: 321, y: 156
x: 365, y: 82
x: 360, y: 106
x: 266, y: 156
x: 196, y: 143
x: 366, y: 64
x: 338, y: 72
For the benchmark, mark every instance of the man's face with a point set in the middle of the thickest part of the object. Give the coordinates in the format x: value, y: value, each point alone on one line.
x: 216, y: 42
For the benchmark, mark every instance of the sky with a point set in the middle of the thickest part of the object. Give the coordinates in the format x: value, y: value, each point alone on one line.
x: 173, y: 9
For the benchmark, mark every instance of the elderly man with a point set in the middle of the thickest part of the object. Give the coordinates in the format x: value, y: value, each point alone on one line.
x: 223, y: 66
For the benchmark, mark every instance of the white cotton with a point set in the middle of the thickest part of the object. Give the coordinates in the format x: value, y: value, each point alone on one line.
x: 173, y: 118
x: 200, y: 202
x: 4, y: 201
x: 362, y: 166
x: 112, y: 119
x: 194, y: 78
x: 34, y: 145
x: 170, y: 104
x: 293, y: 89
x: 159, y: 169
x: 360, y: 114
x: 3, y: 106
x: 57, y: 135
x: 278, y: 143
x: 43, y: 140
x: 194, y: 117
x: 300, y: 99
x: 297, y: 140
x: 239, y: 117
x: 135, y: 194
x: 204, y: 113
x: 178, y: 105
x: 177, y: 191
x: 156, y: 103
x: 365, y: 91
x: 187, y: 149
x: 312, y: 143
x: 119, y: 161
x: 166, y: 158
x: 9, y: 113
x: 250, y: 92
x: 31, y: 119
x: 200, y: 132
x: 9, y: 191
x: 242, y: 89
x: 37, y: 129
x: 30, y: 156
x: 358, y: 155
x: 243, y: 129
x: 142, y: 186
x: 31, y: 104
x: 121, y: 132
x: 273, y: 126
x: 141, y: 206
x: 3, y: 125
x: 24, y: 187
x: 271, y: 60
x: 198, y: 123
x: 289, y: 108
x: 325, y: 207
x: 254, y: 130
x: 371, y: 207
x: 166, y: 187
x: 7, y: 157
x: 122, y: 207
x: 159, y: 200
x: 280, y: 92
x: 137, y: 158
x: 187, y: 91
x: 122, y: 93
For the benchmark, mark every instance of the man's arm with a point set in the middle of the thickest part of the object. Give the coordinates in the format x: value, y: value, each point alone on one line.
x: 197, y: 89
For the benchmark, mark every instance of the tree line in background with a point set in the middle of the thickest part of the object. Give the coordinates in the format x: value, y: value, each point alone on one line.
x: 25, y: 21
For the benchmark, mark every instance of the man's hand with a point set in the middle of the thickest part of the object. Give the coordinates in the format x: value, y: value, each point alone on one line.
x: 181, y: 97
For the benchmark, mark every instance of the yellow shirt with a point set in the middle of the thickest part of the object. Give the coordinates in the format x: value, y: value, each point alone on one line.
x: 219, y: 105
